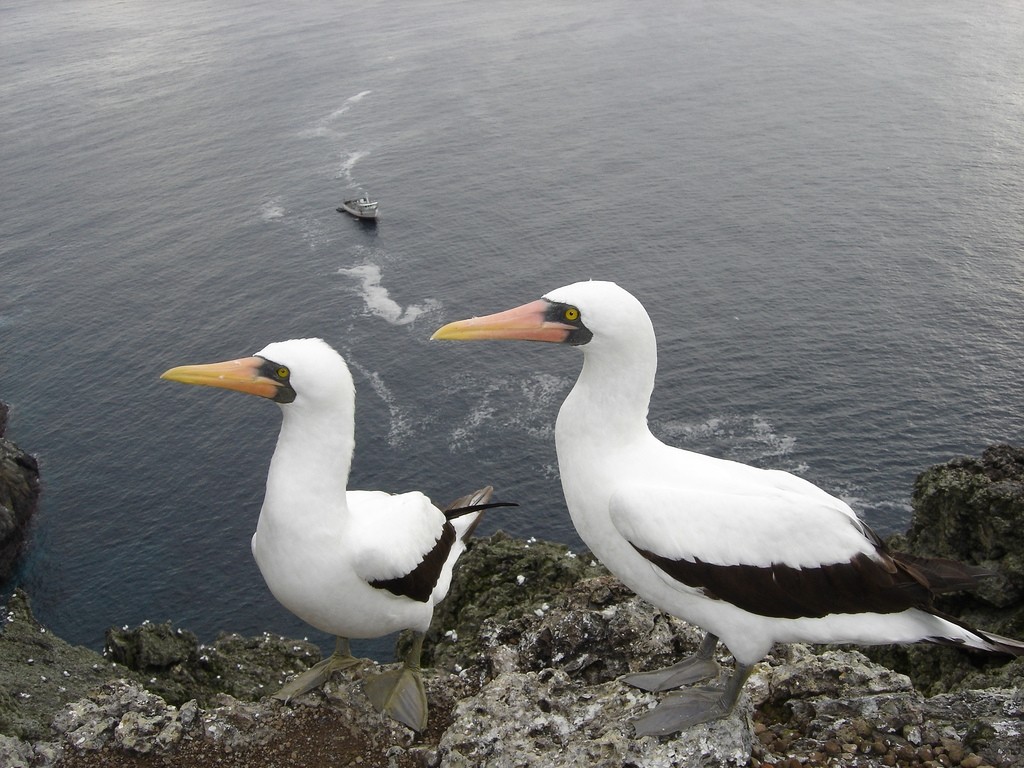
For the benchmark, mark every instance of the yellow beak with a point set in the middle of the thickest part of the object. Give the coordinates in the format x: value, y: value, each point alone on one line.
x: 242, y: 375
x: 528, y: 322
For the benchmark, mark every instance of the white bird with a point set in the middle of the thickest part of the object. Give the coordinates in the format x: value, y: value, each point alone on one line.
x: 356, y: 564
x: 752, y: 556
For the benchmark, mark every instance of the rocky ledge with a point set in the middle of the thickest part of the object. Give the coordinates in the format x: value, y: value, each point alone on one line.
x: 526, y: 654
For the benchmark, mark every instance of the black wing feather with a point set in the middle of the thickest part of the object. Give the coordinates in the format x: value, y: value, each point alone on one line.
x: 419, y: 583
x: 862, y: 585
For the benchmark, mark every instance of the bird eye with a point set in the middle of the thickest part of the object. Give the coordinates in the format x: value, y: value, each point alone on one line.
x: 282, y: 372
x: 571, y: 314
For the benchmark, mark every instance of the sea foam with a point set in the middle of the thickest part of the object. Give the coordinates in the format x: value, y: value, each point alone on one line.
x: 379, y: 302
x: 271, y: 210
x: 400, y: 423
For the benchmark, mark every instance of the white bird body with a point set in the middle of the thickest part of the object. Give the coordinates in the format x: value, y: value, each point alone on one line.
x: 384, y: 536
x: 681, y: 505
x: 320, y: 546
x: 753, y: 556
x: 355, y: 564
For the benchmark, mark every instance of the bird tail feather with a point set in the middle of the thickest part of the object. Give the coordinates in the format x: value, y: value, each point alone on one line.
x: 1001, y: 644
x: 941, y: 574
x: 977, y: 639
x: 458, y: 512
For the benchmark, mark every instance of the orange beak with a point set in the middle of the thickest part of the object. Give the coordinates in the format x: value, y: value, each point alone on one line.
x: 528, y: 322
x: 243, y: 375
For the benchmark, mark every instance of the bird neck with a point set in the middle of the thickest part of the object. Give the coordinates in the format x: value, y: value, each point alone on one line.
x: 613, y: 392
x: 312, y: 459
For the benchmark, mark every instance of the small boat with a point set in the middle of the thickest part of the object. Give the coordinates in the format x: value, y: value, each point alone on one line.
x: 362, y: 207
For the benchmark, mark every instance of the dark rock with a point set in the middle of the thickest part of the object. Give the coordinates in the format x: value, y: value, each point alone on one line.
x: 592, y: 639
x: 4, y: 410
x: 498, y: 577
x: 179, y: 668
x: 972, y: 510
x: 19, y: 496
x: 153, y: 648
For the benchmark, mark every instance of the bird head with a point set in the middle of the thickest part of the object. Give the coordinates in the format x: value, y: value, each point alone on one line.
x: 593, y: 313
x: 299, y: 371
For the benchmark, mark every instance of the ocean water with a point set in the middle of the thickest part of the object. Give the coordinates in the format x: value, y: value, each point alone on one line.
x: 821, y: 206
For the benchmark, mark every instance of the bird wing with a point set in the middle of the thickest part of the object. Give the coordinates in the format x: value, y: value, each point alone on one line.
x: 774, y: 551
x: 401, y: 541
x: 737, y: 524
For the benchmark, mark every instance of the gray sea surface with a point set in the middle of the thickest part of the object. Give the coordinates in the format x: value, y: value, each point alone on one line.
x: 820, y: 204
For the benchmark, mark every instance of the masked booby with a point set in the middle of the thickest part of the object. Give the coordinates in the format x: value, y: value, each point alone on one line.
x: 752, y: 556
x: 356, y: 564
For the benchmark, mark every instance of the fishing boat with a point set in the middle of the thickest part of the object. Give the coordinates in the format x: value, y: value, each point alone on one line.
x: 361, y: 207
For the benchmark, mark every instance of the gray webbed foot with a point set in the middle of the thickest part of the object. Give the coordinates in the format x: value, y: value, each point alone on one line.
x: 684, y: 709
x: 400, y: 692
x: 693, y: 669
x: 320, y: 673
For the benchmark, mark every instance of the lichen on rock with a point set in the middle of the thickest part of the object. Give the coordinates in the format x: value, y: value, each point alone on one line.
x: 179, y: 668
x: 40, y: 672
x: 497, y: 578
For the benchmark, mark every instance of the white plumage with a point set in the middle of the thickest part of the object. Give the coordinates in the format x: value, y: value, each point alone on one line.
x: 752, y: 556
x: 355, y: 564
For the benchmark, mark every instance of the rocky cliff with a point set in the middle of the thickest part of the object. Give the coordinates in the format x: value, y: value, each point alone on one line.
x: 19, y: 495
x: 526, y: 652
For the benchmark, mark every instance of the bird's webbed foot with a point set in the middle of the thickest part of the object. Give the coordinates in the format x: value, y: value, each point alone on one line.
x: 693, y: 669
x: 400, y: 692
x: 314, y: 677
x: 684, y: 709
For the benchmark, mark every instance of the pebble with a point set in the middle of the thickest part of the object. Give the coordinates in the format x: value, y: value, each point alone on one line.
x: 905, y: 753
x: 955, y: 750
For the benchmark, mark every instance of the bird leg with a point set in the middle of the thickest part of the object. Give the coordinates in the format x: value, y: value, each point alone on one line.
x: 693, y: 669
x: 400, y: 692
x: 681, y: 710
x: 320, y: 672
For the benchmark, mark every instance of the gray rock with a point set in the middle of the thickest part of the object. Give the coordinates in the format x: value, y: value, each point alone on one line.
x: 15, y: 753
x: 989, y: 722
x: 548, y: 719
x: 534, y: 696
x: 799, y: 672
